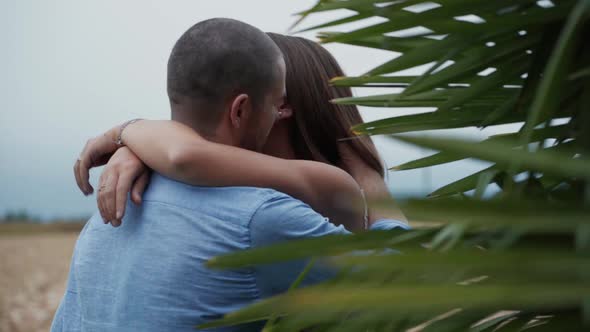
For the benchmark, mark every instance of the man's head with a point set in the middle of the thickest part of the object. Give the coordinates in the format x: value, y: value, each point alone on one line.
x: 227, y: 78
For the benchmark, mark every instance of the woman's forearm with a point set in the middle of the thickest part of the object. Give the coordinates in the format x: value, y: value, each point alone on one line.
x: 178, y: 152
x: 373, y: 186
x: 376, y: 190
x: 159, y: 144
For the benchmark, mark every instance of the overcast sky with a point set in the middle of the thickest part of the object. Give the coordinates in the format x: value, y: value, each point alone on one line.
x: 71, y: 69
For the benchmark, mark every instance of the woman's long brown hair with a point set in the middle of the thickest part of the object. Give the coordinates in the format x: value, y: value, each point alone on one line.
x: 318, y: 123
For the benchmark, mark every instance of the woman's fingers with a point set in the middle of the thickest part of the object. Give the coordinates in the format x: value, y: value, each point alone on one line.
x: 77, y: 176
x: 96, y: 152
x: 106, y: 195
x: 116, y: 181
x: 139, y: 187
x: 99, y: 201
x: 83, y: 165
x: 84, y: 175
x: 124, y: 183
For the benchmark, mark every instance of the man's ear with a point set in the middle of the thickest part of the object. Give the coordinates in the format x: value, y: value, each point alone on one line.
x: 239, y: 109
x: 285, y: 111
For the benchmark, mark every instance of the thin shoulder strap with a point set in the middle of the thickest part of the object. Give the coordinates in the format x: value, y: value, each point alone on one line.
x: 366, y: 213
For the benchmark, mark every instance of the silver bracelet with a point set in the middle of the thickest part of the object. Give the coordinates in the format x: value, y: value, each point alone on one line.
x: 119, y: 140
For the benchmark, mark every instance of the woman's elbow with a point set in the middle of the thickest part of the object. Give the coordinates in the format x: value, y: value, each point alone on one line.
x: 180, y: 159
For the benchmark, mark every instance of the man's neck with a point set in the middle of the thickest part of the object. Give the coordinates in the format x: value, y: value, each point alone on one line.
x: 210, y: 133
x: 218, y: 137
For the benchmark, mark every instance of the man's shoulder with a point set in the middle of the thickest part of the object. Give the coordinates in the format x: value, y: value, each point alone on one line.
x: 278, y: 208
x: 170, y: 192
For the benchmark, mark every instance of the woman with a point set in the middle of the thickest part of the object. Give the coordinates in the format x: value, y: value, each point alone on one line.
x: 307, y: 154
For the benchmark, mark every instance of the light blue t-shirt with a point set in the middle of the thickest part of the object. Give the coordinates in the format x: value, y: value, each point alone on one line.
x: 149, y: 274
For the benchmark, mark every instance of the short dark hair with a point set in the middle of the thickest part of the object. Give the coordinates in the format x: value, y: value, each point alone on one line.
x: 219, y: 57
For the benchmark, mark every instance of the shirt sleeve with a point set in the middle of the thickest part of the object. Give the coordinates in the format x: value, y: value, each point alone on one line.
x: 388, y: 224
x: 283, y: 218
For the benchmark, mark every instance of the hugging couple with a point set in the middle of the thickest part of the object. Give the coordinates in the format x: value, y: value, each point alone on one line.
x: 254, y: 155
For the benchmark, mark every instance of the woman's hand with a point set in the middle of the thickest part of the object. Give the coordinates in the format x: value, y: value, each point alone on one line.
x: 124, y: 173
x: 96, y: 152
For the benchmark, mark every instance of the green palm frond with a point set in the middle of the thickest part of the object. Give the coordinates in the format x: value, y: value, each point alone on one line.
x: 514, y: 260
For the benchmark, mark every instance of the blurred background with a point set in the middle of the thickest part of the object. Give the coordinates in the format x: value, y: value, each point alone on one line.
x: 72, y: 69
x: 69, y: 70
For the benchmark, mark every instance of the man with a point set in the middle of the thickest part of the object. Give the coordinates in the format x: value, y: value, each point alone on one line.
x: 226, y: 80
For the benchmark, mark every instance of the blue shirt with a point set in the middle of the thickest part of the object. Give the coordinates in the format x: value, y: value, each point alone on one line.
x: 149, y: 274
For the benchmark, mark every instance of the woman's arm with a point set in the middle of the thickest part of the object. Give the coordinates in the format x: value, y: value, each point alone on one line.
x: 373, y: 185
x: 180, y: 153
